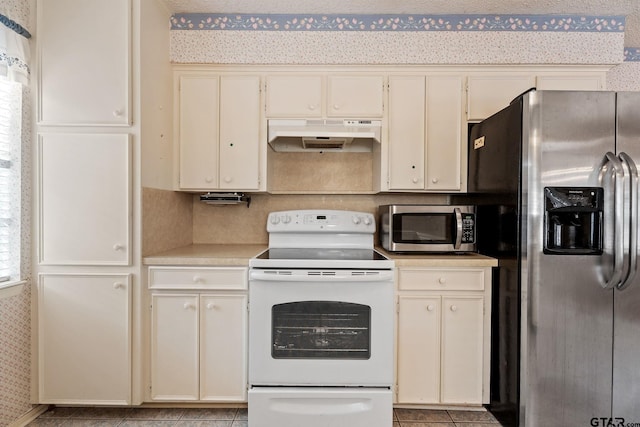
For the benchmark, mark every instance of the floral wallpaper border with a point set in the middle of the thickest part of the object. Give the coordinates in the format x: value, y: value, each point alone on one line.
x: 397, y: 22
x: 632, y: 54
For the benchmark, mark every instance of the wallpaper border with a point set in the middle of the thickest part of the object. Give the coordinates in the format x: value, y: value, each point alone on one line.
x: 396, y: 22
x: 632, y: 54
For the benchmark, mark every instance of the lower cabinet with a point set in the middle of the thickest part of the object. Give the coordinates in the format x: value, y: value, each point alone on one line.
x: 84, y: 339
x: 199, y: 344
x: 443, y: 336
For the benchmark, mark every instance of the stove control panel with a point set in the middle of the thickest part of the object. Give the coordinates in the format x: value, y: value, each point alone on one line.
x: 329, y: 221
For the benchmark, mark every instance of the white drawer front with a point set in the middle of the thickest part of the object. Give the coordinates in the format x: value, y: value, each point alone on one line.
x: 198, y: 278
x: 439, y: 279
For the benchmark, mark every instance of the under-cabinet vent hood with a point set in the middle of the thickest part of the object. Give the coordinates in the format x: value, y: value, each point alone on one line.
x: 324, y: 135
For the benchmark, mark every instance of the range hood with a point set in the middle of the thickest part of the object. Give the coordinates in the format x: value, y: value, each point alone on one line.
x: 347, y: 135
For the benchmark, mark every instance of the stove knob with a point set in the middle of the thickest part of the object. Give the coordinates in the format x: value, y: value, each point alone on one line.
x: 286, y: 219
x: 356, y: 220
x: 274, y: 220
x: 367, y: 220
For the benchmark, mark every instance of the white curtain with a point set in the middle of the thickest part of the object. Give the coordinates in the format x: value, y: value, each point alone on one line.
x: 14, y: 51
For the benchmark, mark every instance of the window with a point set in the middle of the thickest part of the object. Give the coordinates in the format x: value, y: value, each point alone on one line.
x: 10, y: 165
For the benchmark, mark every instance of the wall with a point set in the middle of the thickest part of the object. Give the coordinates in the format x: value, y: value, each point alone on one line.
x: 15, y: 310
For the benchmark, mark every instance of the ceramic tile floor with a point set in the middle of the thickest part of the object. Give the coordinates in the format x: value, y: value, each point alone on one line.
x: 231, y: 417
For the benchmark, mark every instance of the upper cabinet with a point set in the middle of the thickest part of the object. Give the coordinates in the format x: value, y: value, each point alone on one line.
x: 218, y: 131
x: 488, y: 94
x: 319, y: 96
x: 570, y: 82
x: 425, y: 133
x: 84, y: 62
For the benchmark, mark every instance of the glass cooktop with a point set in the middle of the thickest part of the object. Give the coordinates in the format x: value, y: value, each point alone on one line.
x: 321, y: 254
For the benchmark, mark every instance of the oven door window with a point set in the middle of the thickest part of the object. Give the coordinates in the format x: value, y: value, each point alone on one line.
x: 424, y: 228
x: 321, y: 330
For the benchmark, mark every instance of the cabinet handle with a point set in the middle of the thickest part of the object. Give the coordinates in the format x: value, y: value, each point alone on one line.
x: 211, y: 306
x: 430, y: 307
x: 442, y: 280
x: 454, y: 308
x: 188, y: 306
x: 118, y: 285
x: 118, y: 247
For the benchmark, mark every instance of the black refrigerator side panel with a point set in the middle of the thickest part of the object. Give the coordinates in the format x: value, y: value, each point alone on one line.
x: 495, y: 147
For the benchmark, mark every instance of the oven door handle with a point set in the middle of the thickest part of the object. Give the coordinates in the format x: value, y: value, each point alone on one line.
x: 284, y: 275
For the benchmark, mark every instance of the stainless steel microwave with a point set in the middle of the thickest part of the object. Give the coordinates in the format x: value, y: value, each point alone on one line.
x: 428, y: 228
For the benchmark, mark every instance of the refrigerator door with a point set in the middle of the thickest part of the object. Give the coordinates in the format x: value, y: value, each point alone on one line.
x: 567, y: 317
x: 626, y: 373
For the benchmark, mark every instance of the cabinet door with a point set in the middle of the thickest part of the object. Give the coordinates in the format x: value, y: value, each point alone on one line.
x: 444, y: 133
x: 174, y: 347
x: 223, y: 347
x: 84, y: 62
x: 85, y: 182
x: 84, y: 339
x: 570, y: 82
x: 406, y: 132
x: 355, y: 96
x: 239, y: 132
x: 489, y: 94
x: 198, y: 132
x: 418, y: 370
x: 294, y: 96
x: 462, y: 349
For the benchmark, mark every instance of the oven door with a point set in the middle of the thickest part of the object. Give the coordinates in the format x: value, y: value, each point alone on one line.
x: 320, y: 328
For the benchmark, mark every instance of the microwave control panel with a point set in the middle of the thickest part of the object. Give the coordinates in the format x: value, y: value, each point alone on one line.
x: 468, y: 228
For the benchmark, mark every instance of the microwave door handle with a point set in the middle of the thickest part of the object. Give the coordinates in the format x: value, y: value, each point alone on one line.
x: 458, y: 215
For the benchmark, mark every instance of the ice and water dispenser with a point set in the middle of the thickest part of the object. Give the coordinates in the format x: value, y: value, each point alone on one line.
x: 573, y: 220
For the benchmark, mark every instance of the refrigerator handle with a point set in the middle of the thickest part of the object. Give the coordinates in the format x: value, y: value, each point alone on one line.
x: 633, y: 219
x: 618, y: 226
x: 458, y: 215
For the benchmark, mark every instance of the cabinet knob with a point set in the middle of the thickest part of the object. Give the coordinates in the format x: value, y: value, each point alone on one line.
x: 442, y: 280
x: 211, y: 306
x: 227, y: 179
x: 414, y: 180
x: 208, y: 179
x: 118, y: 247
x: 197, y: 279
x: 312, y: 107
x: 435, y: 180
x: 454, y: 308
x: 336, y: 106
x: 188, y: 306
x: 118, y: 113
x: 118, y: 285
x: 430, y: 307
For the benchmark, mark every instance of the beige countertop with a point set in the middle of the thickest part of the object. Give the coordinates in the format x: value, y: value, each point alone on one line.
x: 206, y: 254
x: 239, y: 255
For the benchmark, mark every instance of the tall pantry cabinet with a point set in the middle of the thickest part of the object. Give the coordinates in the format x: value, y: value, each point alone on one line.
x: 89, y: 68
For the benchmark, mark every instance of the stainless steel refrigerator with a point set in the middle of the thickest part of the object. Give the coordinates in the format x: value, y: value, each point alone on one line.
x: 557, y: 189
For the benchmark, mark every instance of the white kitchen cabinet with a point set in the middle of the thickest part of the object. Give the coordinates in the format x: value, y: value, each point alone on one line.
x: 84, y: 199
x: 443, y: 336
x: 218, y: 132
x: 96, y: 89
x: 570, y: 82
x: 321, y: 96
x: 425, y: 133
x: 487, y: 94
x: 198, y: 338
x: 84, y: 340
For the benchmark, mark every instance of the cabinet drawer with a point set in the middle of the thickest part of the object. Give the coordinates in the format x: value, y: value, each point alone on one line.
x: 440, y: 279
x: 197, y: 278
